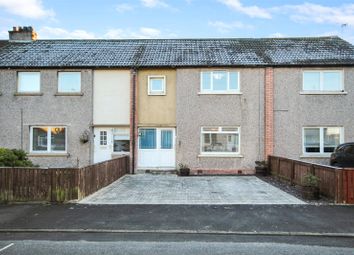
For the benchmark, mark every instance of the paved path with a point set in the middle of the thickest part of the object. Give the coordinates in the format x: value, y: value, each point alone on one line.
x: 171, y: 189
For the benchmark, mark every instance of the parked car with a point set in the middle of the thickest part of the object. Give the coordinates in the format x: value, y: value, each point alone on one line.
x: 343, y: 155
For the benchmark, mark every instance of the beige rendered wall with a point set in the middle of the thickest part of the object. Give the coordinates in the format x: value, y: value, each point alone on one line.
x: 111, y: 97
x: 157, y: 110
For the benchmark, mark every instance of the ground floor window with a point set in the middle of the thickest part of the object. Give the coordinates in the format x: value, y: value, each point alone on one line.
x: 153, y: 138
x: 103, y: 138
x: 321, y: 140
x: 121, y: 140
x: 48, y: 139
x: 220, y: 140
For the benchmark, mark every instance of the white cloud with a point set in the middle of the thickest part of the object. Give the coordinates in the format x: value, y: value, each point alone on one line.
x: 124, y: 7
x: 60, y: 33
x: 26, y: 8
x: 142, y: 33
x: 252, y: 11
x: 224, y: 27
x: 277, y: 35
x: 154, y: 3
x: 4, y: 34
x: 309, y: 12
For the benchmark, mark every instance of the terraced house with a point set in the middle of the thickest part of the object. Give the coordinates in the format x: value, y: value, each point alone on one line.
x: 216, y: 105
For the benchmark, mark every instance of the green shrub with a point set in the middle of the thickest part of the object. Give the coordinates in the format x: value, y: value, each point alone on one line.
x: 14, y: 157
x: 311, y: 180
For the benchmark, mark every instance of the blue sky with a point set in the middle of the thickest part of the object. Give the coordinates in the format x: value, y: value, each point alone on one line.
x: 81, y: 19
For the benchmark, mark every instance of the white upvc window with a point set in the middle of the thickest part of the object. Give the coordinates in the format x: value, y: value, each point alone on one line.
x: 69, y: 82
x: 156, y: 138
x: 322, y: 81
x: 220, y: 82
x: 121, y: 140
x: 103, y: 138
x: 220, y: 140
x: 28, y: 82
x: 48, y: 139
x: 156, y: 85
x: 321, y: 140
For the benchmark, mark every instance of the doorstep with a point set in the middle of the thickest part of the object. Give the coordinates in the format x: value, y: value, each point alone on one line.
x: 156, y: 171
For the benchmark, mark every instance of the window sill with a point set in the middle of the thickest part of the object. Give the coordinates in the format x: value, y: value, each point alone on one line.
x: 48, y: 154
x: 157, y: 94
x: 28, y: 94
x: 120, y: 153
x: 323, y: 93
x: 220, y: 156
x: 316, y: 155
x: 220, y: 93
x: 68, y: 94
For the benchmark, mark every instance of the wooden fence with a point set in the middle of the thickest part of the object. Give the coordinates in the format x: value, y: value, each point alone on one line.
x: 335, y: 183
x: 95, y: 177
x: 58, y: 184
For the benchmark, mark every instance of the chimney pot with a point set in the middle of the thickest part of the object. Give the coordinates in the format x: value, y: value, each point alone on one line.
x: 22, y: 34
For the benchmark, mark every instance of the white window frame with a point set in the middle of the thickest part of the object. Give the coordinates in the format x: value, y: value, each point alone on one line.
x: 28, y: 91
x: 227, y: 91
x: 69, y: 92
x: 49, y: 140
x: 158, y: 139
x: 219, y: 131
x: 159, y: 92
x: 321, y: 90
x: 106, y: 136
x: 321, y: 153
x: 119, y: 131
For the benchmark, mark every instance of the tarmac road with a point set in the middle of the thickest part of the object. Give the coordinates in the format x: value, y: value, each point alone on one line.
x: 176, y: 229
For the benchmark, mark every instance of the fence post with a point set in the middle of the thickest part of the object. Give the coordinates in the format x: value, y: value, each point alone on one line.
x: 269, y: 165
x: 312, y: 169
x: 339, y: 192
x: 278, y: 168
x: 51, y: 187
x: 292, y: 173
x: 10, y: 188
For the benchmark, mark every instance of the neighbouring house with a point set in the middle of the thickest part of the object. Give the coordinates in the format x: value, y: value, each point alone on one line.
x: 216, y: 105
x: 111, y: 113
x: 156, y: 116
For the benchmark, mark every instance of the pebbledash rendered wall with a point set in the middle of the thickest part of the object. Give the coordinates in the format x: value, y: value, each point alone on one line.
x: 195, y: 111
x: 74, y: 112
x: 293, y: 111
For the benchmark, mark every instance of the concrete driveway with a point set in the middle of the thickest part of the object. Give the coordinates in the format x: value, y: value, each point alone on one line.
x: 171, y: 189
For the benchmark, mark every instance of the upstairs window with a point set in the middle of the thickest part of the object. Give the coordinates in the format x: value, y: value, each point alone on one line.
x: 219, y: 82
x: 69, y: 82
x: 156, y: 85
x: 322, y: 81
x: 29, y: 82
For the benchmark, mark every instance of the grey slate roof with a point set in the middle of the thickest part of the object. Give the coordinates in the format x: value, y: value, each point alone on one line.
x: 177, y: 52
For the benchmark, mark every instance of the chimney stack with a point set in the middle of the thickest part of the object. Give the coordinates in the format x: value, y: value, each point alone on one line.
x: 22, y: 34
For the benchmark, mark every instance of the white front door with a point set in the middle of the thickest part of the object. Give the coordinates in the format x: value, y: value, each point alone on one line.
x: 156, y: 148
x: 102, y: 145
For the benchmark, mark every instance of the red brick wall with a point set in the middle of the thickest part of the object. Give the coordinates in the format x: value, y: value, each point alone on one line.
x: 222, y: 171
x: 133, y: 119
x: 268, y: 112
